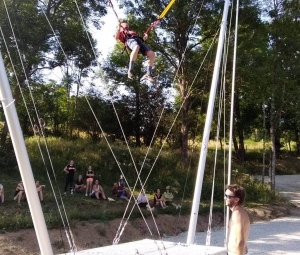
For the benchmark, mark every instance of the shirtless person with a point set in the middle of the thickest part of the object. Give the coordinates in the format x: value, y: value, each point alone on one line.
x: 239, y: 224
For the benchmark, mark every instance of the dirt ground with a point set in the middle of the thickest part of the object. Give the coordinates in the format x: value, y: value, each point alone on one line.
x: 90, y: 235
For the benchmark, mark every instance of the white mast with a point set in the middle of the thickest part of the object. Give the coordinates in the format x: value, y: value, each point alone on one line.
x: 203, y: 152
x: 23, y: 163
x: 232, y: 108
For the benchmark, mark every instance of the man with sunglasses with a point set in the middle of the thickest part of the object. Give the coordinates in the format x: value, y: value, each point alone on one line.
x: 136, y: 44
x: 239, y: 224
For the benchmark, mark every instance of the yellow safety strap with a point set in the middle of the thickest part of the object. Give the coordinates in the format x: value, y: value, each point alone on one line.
x: 166, y: 9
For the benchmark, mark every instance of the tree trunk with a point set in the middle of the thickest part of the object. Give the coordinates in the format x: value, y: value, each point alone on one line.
x: 184, y: 133
x: 5, y: 127
x: 240, y: 153
x: 235, y: 144
x: 272, y: 159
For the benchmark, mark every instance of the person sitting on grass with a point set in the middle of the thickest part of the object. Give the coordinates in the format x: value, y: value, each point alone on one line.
x: 117, y: 190
x: 20, y: 193
x: 39, y: 189
x: 125, y: 194
x: 168, y: 197
x: 2, y: 193
x: 98, y: 191
x: 79, y: 186
x: 158, y: 199
x: 143, y: 201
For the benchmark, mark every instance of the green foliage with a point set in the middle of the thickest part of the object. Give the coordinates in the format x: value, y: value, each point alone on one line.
x: 267, y: 72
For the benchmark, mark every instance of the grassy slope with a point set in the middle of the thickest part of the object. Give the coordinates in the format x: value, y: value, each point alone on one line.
x: 166, y: 171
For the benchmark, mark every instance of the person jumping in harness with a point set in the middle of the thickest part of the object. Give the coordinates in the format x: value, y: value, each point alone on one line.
x: 136, y: 44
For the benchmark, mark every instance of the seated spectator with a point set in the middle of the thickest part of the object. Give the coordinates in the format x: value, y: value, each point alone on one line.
x: 143, y: 201
x: 117, y: 190
x: 158, y: 199
x: 79, y: 186
x: 125, y: 194
x: 2, y: 193
x: 97, y: 191
x: 168, y: 198
x: 20, y: 193
x: 121, y: 181
x: 39, y: 189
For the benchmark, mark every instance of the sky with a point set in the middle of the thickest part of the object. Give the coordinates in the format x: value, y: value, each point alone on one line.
x: 104, y: 36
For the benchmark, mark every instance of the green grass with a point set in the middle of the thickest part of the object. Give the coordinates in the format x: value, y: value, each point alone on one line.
x: 167, y: 171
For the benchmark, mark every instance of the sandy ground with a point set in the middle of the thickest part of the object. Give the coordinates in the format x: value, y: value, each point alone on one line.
x: 274, y: 237
x: 279, y: 236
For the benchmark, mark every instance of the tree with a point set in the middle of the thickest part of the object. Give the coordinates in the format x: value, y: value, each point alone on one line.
x: 139, y: 104
x: 180, y: 41
x: 39, y: 46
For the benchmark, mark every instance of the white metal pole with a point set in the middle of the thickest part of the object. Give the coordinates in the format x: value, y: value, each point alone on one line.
x: 205, y: 139
x: 23, y: 163
x: 232, y: 109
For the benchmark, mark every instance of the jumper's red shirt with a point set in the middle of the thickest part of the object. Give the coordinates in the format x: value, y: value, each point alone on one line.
x: 122, y: 35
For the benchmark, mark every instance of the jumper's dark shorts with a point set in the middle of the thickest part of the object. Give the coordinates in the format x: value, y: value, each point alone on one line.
x: 132, y: 42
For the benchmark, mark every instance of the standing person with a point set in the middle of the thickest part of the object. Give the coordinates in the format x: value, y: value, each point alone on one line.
x: 89, y: 181
x: 79, y: 186
x: 122, y: 181
x: 70, y: 171
x: 239, y: 224
x: 39, y: 189
x: 143, y: 201
x: 136, y: 44
x: 2, y: 193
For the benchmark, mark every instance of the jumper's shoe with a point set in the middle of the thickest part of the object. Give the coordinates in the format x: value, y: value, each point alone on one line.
x: 110, y: 199
x: 71, y: 191
x: 86, y: 194
x: 148, y: 77
x: 130, y: 74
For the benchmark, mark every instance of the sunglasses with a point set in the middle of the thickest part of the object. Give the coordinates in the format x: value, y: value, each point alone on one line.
x: 228, y: 197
